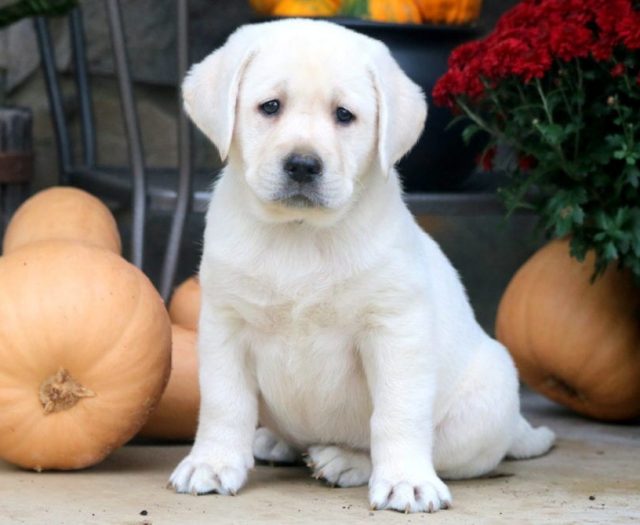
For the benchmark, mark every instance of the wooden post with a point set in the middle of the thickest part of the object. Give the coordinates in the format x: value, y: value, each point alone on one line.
x: 16, y: 160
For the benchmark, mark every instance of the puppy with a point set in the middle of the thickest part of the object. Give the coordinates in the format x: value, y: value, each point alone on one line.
x: 327, y: 314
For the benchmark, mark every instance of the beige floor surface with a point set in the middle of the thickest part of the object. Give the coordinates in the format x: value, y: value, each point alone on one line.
x: 592, y: 476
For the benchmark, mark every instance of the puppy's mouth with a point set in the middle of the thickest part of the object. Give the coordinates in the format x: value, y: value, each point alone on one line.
x: 298, y: 201
x: 300, y: 197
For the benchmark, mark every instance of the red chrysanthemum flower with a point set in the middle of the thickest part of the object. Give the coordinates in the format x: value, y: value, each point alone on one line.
x: 533, y: 36
x: 569, y: 40
x: 526, y: 162
x: 628, y: 29
x: 486, y: 158
x: 617, y: 70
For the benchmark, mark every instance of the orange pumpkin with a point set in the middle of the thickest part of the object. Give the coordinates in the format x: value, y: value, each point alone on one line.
x: 398, y: 11
x: 575, y: 342
x: 176, y: 416
x: 62, y: 213
x: 85, y: 353
x: 306, y: 8
x: 449, y: 11
x: 264, y: 7
x: 184, y: 307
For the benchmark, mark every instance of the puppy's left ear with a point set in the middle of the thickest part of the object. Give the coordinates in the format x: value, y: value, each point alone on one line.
x: 402, y: 108
x: 210, y: 89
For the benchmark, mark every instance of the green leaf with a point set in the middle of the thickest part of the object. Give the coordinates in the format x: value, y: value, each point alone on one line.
x: 469, y: 132
x: 552, y: 133
x: 578, y: 215
x: 457, y: 120
x: 573, y: 127
x: 610, y: 252
x: 633, y: 176
x: 578, y: 248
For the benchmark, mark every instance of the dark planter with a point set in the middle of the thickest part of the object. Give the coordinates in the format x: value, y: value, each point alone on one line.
x: 440, y: 161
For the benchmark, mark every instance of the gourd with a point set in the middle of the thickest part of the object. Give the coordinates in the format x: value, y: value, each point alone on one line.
x: 576, y: 342
x: 85, y: 353
x: 184, y: 307
x: 62, y: 213
x: 176, y: 416
x: 398, y: 11
x: 306, y: 8
x: 449, y: 11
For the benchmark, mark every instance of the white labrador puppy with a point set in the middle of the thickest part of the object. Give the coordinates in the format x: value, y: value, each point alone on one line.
x: 328, y: 315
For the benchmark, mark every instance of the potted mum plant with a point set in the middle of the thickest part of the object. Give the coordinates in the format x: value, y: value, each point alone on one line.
x: 557, y: 86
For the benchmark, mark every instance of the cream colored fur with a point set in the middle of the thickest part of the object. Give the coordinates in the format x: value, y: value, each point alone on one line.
x: 341, y: 327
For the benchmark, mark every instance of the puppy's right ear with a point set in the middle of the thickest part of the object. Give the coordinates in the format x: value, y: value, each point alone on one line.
x: 210, y: 89
x: 402, y: 108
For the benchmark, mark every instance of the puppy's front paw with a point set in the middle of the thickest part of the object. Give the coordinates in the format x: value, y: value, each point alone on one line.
x: 424, y: 495
x: 201, y: 475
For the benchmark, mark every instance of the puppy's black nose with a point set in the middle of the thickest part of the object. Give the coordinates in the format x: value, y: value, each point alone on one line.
x: 303, y: 168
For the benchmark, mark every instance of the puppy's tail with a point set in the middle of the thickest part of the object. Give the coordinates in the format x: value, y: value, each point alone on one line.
x: 530, y: 442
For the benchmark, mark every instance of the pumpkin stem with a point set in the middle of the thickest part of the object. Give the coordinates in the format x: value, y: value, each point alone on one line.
x: 60, y: 392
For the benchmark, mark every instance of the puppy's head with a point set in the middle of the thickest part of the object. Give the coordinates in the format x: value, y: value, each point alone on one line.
x: 306, y: 111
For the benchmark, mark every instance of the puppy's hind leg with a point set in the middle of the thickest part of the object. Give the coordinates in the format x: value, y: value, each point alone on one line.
x: 339, y: 466
x: 530, y: 442
x: 484, y: 423
x: 269, y: 447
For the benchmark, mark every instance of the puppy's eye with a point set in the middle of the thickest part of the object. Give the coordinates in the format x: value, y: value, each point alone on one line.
x: 271, y: 107
x: 344, y: 115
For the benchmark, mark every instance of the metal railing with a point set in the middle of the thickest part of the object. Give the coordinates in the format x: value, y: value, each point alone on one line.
x: 110, y: 181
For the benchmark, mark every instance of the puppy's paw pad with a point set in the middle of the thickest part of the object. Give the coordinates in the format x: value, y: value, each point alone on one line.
x: 198, y: 476
x: 338, y: 466
x: 404, y: 496
x: 269, y: 447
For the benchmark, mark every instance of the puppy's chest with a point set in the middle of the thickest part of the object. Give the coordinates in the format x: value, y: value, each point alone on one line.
x: 310, y: 349
x: 292, y: 319
x: 267, y: 312
x: 288, y: 330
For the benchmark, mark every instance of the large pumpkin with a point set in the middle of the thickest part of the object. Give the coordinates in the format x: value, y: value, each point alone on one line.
x: 85, y: 353
x: 184, y: 307
x: 62, y: 213
x: 577, y: 343
x: 176, y: 416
